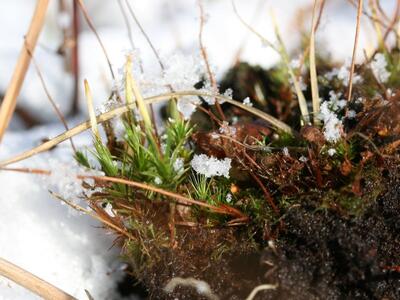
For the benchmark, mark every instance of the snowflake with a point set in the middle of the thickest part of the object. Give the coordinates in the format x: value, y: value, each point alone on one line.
x: 331, y: 152
x: 285, y: 151
x: 378, y: 66
x: 332, y: 124
x: 178, y: 165
x: 247, y: 102
x: 187, y: 106
x: 211, y: 166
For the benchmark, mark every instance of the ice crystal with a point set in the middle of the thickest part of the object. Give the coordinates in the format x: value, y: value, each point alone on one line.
x: 285, y: 151
x: 178, y: 165
x: 157, y: 180
x: 303, y: 159
x: 379, y: 68
x: 119, y: 129
x: 228, y: 198
x: 332, y: 124
x: 211, y: 166
x: 351, y: 114
x: 247, y: 102
x: 343, y: 74
x: 331, y: 152
x: 187, y: 106
x: 227, y: 130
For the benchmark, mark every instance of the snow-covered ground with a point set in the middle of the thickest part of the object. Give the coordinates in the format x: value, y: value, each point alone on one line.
x: 36, y: 232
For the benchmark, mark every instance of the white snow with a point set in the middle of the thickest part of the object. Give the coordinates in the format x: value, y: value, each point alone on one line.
x: 378, y: 66
x: 41, y: 236
x: 211, y: 166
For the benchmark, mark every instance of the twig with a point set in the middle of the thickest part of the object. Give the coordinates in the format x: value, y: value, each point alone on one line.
x: 93, y: 215
x: 91, y: 26
x: 204, y: 54
x: 10, y: 99
x: 353, y: 60
x: 178, y: 198
x: 53, y: 104
x: 123, y: 109
x: 75, y: 57
x: 132, y: 13
x: 32, y: 282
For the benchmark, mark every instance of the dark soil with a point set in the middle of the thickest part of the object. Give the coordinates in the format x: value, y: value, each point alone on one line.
x: 320, y: 254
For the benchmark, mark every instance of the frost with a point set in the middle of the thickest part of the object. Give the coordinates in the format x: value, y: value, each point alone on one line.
x: 295, y: 63
x: 331, y: 152
x: 227, y: 130
x: 303, y: 159
x: 228, y: 198
x: 285, y: 151
x: 228, y: 93
x: 378, y: 66
x: 178, y: 165
x: 182, y: 72
x: 332, y: 124
x: 157, y: 180
x: 63, y: 180
x: 119, y: 129
x: 351, y: 114
x: 343, y: 74
x: 211, y: 166
x: 247, y: 102
x: 187, y: 106
x: 109, y: 210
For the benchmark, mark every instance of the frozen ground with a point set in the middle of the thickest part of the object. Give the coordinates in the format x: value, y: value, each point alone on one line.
x: 36, y: 232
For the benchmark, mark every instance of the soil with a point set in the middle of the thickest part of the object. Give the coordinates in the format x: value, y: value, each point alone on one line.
x: 320, y: 254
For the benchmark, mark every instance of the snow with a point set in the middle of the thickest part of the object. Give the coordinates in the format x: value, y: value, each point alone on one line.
x: 378, y: 66
x: 211, y: 166
x: 41, y: 236
x: 332, y: 124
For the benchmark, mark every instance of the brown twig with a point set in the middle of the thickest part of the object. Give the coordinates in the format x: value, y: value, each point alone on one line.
x: 10, y: 99
x: 183, y: 200
x: 353, y: 59
x: 52, y: 102
x: 91, y: 26
x: 75, y: 58
x: 31, y: 282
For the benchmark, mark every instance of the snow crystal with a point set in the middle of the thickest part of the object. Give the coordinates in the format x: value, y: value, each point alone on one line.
x: 285, y: 151
x: 119, y: 129
x: 157, y: 180
x: 343, y: 74
x: 228, y: 93
x: 182, y: 72
x: 331, y: 152
x: 63, y: 180
x: 211, y: 166
x: 228, y: 198
x: 227, y: 130
x: 303, y: 159
x: 295, y: 63
x: 187, y: 106
x: 178, y: 165
x: 332, y: 124
x: 109, y: 210
x: 247, y: 102
x: 378, y: 66
x: 351, y: 114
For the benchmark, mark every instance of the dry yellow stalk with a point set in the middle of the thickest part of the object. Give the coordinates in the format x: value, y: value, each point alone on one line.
x: 31, y: 282
x: 10, y: 99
